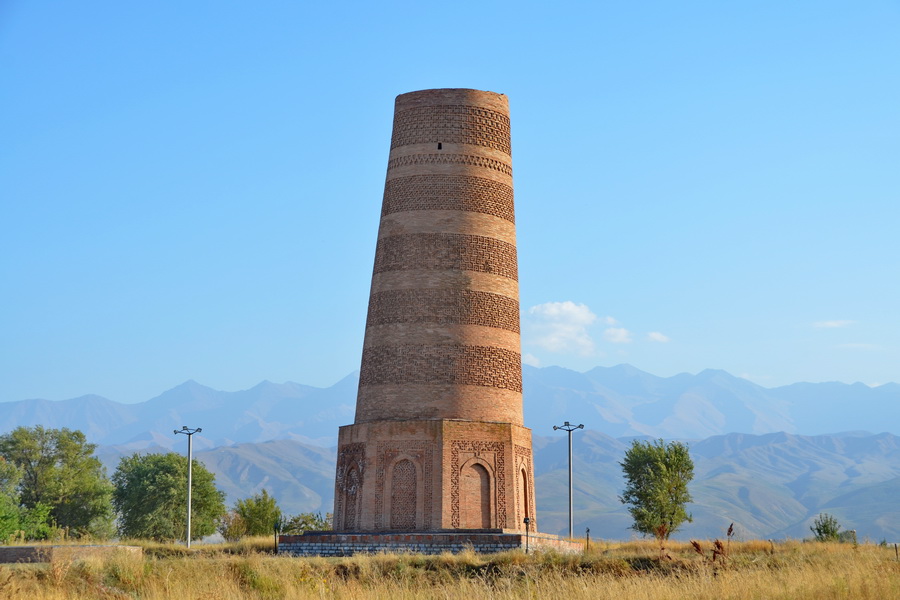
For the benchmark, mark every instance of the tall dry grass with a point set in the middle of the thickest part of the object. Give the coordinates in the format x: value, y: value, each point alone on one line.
x: 631, y: 570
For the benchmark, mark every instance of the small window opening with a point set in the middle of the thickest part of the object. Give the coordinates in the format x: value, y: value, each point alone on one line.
x: 440, y: 146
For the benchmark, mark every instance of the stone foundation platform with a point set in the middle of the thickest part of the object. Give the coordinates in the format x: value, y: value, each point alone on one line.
x: 329, y: 543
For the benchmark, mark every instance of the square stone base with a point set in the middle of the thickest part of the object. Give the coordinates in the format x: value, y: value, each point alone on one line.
x: 328, y: 543
x: 433, y: 475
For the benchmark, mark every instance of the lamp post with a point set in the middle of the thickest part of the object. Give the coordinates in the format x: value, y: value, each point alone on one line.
x: 190, y: 433
x: 527, y: 522
x: 278, y: 527
x: 569, y: 428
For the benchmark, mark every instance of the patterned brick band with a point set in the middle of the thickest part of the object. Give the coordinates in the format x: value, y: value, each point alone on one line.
x: 446, y: 251
x: 444, y: 307
x: 455, y: 365
x: 443, y: 159
x: 457, y: 123
x: 448, y: 192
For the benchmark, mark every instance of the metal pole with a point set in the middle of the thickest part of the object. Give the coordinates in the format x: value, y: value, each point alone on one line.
x: 571, y: 522
x: 569, y: 428
x: 190, y: 433
x: 190, y: 466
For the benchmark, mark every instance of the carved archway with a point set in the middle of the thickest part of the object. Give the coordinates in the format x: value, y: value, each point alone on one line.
x: 404, y: 495
x: 476, y: 496
x: 351, y: 498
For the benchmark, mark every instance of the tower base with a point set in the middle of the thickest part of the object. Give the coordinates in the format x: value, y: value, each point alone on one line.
x: 433, y: 475
x: 329, y: 543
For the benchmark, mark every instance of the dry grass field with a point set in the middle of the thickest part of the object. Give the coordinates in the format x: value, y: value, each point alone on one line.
x: 627, y: 570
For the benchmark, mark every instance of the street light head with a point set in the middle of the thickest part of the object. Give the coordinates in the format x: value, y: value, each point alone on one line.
x: 566, y: 423
x: 555, y: 428
x: 581, y: 426
x: 184, y: 427
x: 174, y: 431
x: 199, y: 430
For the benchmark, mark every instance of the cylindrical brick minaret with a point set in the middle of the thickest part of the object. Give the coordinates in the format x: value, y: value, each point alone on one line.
x: 438, y: 441
x: 442, y: 336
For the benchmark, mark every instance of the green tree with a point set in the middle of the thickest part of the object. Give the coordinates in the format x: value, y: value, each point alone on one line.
x: 307, y: 522
x: 232, y: 527
x: 32, y: 523
x: 259, y: 513
x: 10, y: 476
x: 150, y: 497
x: 59, y: 470
x: 826, y: 528
x: 656, y: 486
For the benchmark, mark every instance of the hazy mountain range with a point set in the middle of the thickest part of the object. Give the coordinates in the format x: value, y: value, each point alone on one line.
x: 771, y: 479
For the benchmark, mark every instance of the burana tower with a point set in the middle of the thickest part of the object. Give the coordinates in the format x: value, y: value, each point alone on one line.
x: 438, y: 442
x: 438, y: 458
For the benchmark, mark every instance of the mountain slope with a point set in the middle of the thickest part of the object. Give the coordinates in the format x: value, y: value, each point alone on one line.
x: 770, y: 486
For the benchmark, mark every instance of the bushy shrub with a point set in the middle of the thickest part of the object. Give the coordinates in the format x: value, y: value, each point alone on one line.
x: 826, y: 528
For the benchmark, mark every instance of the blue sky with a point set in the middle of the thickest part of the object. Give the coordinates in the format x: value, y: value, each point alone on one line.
x: 191, y: 190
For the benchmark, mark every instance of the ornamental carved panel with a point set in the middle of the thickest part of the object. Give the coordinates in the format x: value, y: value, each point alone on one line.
x: 524, y: 487
x: 348, y: 485
x: 416, y: 453
x: 490, y: 453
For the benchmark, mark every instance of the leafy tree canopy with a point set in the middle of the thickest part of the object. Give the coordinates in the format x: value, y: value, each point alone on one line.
x: 259, y: 513
x: 150, y: 497
x: 58, y: 470
x: 656, y: 486
x: 307, y: 522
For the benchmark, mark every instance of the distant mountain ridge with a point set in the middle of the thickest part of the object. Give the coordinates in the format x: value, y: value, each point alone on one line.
x: 619, y: 401
x: 761, y: 458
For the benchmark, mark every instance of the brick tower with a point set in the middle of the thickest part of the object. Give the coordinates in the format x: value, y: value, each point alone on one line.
x: 438, y: 441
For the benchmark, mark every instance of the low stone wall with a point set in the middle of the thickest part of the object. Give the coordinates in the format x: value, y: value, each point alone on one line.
x: 35, y: 554
x: 324, y: 543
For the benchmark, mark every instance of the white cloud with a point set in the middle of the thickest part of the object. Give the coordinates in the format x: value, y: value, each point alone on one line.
x: 832, y: 324
x: 561, y: 327
x: 617, y: 335
x: 857, y: 346
x: 531, y: 360
x: 656, y: 336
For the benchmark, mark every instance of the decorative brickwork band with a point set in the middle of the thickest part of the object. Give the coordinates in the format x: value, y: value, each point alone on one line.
x: 444, y: 307
x: 443, y: 364
x: 449, y: 159
x: 458, y: 124
x: 448, y: 192
x: 446, y: 251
